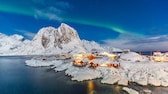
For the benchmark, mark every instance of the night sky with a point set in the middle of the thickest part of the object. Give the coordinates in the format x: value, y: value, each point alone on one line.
x: 140, y: 25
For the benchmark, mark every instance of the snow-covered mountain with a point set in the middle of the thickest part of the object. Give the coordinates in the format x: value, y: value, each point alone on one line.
x: 50, y: 37
x: 48, y: 40
x: 91, y: 46
x: 10, y: 44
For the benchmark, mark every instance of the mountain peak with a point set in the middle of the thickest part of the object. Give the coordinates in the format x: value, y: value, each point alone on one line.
x: 64, y: 25
x: 62, y: 38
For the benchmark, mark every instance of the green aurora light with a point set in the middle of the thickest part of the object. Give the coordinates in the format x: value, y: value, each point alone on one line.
x: 29, y: 12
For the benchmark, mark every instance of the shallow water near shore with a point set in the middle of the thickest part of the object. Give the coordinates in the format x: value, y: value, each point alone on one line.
x: 17, y: 78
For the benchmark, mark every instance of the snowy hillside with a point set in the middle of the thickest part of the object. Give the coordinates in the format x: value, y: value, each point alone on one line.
x: 92, y: 45
x: 49, y: 40
x: 9, y: 44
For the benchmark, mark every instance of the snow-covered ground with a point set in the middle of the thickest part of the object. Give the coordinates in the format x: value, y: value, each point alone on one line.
x: 133, y: 68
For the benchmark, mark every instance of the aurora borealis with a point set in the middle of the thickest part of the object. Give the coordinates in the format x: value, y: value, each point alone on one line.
x: 108, y: 21
x: 24, y: 11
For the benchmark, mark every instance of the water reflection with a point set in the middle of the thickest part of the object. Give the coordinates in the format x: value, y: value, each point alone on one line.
x: 90, y: 87
x: 118, y: 89
x: 160, y: 90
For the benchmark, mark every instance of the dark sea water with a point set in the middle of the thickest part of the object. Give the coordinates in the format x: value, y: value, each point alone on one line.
x: 17, y: 78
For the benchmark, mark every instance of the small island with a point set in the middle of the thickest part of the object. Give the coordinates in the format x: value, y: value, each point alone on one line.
x: 111, y: 68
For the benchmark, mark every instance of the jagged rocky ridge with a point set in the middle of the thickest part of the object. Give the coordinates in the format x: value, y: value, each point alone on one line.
x: 50, y: 40
x: 52, y: 37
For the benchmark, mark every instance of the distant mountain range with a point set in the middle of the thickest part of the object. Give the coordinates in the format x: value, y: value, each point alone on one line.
x: 49, y: 40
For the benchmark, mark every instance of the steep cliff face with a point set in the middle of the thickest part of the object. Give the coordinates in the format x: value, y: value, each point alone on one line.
x: 50, y: 40
x: 49, y: 37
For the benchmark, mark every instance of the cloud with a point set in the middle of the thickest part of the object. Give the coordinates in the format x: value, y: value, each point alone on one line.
x: 53, y: 10
x: 141, y: 44
x: 47, y: 14
x: 27, y: 34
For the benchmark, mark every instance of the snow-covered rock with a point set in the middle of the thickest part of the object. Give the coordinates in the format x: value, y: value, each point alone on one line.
x: 130, y: 90
x: 51, y: 37
x: 123, y: 81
